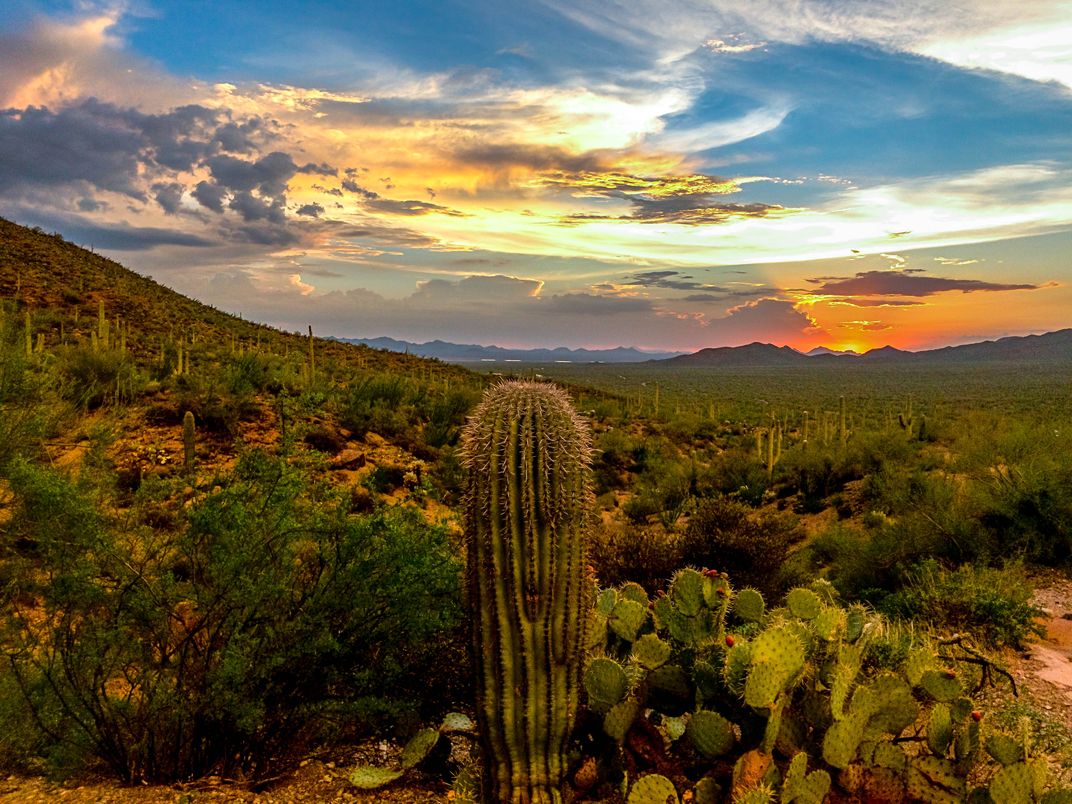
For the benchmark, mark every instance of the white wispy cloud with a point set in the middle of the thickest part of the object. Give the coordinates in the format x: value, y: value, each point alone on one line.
x: 722, y: 132
x: 1029, y: 39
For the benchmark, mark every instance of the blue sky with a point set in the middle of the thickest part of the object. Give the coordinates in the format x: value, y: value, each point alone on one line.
x: 598, y: 173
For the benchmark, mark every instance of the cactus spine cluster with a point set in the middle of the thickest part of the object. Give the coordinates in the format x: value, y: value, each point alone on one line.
x: 527, y: 507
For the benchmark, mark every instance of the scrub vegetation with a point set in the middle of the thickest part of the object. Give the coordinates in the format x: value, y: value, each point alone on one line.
x: 224, y: 547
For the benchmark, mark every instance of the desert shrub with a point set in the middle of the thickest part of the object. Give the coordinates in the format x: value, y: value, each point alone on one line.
x: 870, y: 565
x: 447, y: 415
x: 216, y: 409
x: 269, y: 617
x: 615, y: 458
x: 738, y: 473
x: 377, y: 403
x: 647, y: 556
x: 91, y: 379
x: 1026, y: 510
x: 727, y: 535
x: 248, y: 374
x: 889, y: 642
x: 993, y: 604
x: 27, y: 408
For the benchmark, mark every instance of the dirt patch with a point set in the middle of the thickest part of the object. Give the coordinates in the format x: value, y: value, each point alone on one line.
x: 315, y: 781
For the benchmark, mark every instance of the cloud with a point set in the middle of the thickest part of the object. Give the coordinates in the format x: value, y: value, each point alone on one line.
x: 531, y: 156
x: 268, y: 175
x: 1031, y: 40
x: 653, y: 212
x: 97, y: 145
x: 116, y: 237
x: 900, y: 283
x: 209, y: 195
x: 169, y: 196
x: 865, y: 326
x: 735, y: 44
x: 673, y: 280
x: 500, y: 309
x: 52, y: 62
x: 610, y: 184
x: 720, y: 133
x: 311, y: 210
x: 683, y: 199
x: 477, y: 290
x: 409, y: 208
x: 873, y: 303
x: 776, y: 321
x: 255, y: 208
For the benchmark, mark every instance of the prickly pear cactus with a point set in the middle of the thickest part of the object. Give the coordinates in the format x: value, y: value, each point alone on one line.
x: 793, y: 681
x: 653, y: 789
x: 526, y: 512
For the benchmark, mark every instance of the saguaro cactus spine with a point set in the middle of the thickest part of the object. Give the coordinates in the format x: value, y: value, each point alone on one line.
x: 527, y: 508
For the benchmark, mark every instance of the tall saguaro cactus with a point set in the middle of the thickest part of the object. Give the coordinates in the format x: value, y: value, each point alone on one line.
x: 527, y: 507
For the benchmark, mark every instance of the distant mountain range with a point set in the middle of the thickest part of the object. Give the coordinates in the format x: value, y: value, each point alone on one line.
x: 474, y: 353
x: 1053, y: 347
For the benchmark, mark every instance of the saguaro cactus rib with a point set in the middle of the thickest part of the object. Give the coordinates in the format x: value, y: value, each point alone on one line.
x: 526, y: 512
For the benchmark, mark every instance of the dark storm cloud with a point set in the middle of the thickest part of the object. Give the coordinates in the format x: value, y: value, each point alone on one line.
x: 89, y: 143
x: 95, y: 146
x: 253, y: 208
x: 901, y: 283
x: 239, y: 137
x: 311, y: 210
x: 117, y: 237
x: 352, y: 186
x: 268, y: 175
x: 671, y: 280
x: 168, y: 195
x: 323, y: 169
x: 112, y: 148
x: 209, y: 195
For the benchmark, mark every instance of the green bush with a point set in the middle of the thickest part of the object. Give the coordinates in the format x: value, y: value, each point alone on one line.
x: 377, y: 403
x: 647, y: 556
x: 1026, y: 510
x: 752, y: 547
x: 224, y: 645
x: 447, y: 415
x: 27, y: 407
x: 992, y: 604
x: 92, y: 379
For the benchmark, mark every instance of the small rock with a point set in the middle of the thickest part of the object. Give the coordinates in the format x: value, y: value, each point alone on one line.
x: 348, y: 459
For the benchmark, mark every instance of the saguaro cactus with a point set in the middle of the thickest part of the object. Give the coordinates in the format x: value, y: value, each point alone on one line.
x: 189, y: 446
x: 527, y: 508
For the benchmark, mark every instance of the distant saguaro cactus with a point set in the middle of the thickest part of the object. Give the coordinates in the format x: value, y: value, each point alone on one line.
x: 527, y: 508
x: 189, y: 433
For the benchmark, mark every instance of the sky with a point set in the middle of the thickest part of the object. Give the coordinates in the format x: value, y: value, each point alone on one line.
x: 665, y: 174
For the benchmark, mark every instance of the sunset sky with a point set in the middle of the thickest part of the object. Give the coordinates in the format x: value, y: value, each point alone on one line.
x: 666, y: 174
